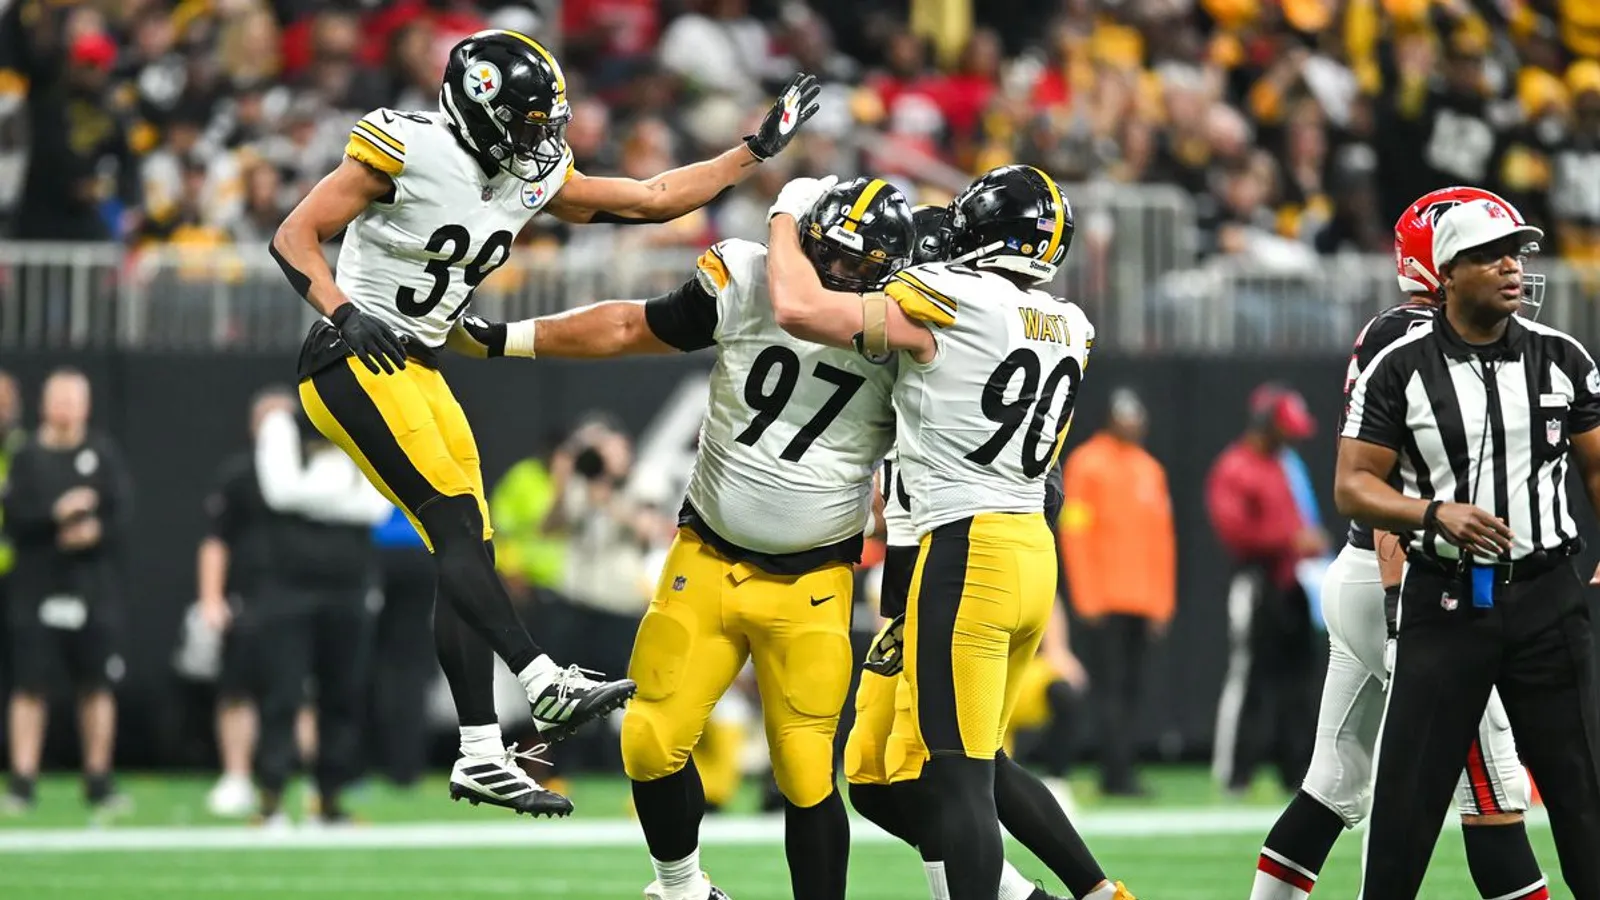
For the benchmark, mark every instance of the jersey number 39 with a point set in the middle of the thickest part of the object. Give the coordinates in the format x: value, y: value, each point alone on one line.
x: 492, y: 255
x: 1031, y: 398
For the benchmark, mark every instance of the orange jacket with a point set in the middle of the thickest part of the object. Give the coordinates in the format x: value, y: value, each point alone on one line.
x: 1116, y: 531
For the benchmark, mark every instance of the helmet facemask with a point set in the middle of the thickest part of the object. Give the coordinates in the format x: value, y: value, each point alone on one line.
x: 535, y: 139
x: 842, y: 261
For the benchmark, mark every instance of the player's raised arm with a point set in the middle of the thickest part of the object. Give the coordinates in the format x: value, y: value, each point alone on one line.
x: 817, y: 284
x: 682, y: 190
x: 683, y: 319
x: 297, y: 246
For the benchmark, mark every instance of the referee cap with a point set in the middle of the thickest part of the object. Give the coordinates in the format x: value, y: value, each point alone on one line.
x: 1475, y: 224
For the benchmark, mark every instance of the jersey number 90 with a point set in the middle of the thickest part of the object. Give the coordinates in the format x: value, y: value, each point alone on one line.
x: 492, y: 255
x: 1031, y: 398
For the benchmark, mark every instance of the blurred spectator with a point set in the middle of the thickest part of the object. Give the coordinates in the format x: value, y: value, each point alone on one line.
x: 232, y: 564
x: 608, y: 585
x: 1266, y: 707
x: 68, y: 505
x: 404, y: 662
x: 82, y: 178
x: 1119, y: 546
x: 312, y: 606
x: 11, y: 439
x: 1575, y: 172
x: 716, y: 47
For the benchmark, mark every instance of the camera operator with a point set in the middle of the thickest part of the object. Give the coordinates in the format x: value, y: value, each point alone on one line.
x: 310, y: 613
x: 67, y: 510
x: 607, y: 585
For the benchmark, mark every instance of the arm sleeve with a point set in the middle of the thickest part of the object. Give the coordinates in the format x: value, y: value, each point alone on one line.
x: 378, y: 140
x: 28, y: 513
x: 1077, y: 534
x: 1585, y: 415
x: 279, y: 472
x: 119, y: 485
x: 919, y: 300
x: 1375, y: 411
x: 222, y: 509
x: 1164, y: 557
x: 685, y: 318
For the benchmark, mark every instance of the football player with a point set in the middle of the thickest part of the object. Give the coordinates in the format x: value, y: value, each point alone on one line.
x: 433, y: 201
x: 761, y: 565
x: 988, y: 375
x: 1025, y: 805
x: 1361, y: 590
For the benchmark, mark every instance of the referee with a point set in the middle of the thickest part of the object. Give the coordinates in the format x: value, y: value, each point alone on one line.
x: 1481, y: 412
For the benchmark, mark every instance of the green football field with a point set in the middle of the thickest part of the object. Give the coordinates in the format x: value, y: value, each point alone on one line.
x: 1183, y: 845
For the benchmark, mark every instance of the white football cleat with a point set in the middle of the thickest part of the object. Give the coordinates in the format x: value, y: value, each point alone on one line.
x: 500, y: 781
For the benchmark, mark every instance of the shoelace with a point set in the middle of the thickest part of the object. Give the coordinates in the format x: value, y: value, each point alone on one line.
x: 564, y: 680
x: 531, y: 754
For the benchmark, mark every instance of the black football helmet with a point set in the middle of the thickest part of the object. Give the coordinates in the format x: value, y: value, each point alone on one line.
x: 506, y: 98
x: 1012, y: 218
x: 858, y: 234
x: 933, y: 233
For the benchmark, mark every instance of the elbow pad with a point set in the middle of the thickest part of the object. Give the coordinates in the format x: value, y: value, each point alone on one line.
x: 300, y: 281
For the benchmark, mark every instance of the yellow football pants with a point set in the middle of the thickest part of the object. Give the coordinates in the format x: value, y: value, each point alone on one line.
x: 709, y: 615
x: 405, y: 430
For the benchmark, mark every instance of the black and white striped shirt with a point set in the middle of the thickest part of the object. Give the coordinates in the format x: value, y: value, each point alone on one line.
x: 1490, y: 426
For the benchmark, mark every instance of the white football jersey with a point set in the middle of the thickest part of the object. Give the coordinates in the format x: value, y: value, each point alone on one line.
x: 897, y: 528
x: 793, y: 430
x: 414, y: 260
x: 982, y: 423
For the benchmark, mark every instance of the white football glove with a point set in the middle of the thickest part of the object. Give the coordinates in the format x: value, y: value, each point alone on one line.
x: 799, y: 195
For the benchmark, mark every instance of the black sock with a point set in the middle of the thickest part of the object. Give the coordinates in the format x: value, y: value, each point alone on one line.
x: 1502, y: 861
x: 468, y: 580
x: 962, y: 829
x: 23, y: 787
x: 880, y: 804
x: 670, y: 810
x: 468, y: 664
x: 817, y: 842
x: 98, y: 788
x: 1300, y: 840
x: 1030, y: 812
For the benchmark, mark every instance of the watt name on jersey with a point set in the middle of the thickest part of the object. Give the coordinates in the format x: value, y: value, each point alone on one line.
x: 792, y: 431
x: 982, y: 423
x: 413, y: 259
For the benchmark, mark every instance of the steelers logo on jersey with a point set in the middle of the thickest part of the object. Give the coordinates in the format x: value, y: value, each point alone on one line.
x: 482, y: 81
x: 533, y: 194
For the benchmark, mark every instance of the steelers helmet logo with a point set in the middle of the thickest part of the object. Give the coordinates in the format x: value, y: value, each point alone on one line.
x: 482, y: 81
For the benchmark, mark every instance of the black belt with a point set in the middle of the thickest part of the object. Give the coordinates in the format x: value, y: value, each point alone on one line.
x: 1362, y: 540
x: 1534, y: 565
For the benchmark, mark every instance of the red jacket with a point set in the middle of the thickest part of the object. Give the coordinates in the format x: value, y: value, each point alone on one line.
x: 1254, y: 511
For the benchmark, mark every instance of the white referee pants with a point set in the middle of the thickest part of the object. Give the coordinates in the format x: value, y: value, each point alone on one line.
x: 1352, y: 708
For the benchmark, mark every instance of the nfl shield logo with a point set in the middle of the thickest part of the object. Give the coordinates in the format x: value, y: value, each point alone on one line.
x: 1449, y: 603
x: 1552, y: 431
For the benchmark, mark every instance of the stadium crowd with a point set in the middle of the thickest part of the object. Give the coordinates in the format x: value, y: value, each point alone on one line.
x: 1295, y: 124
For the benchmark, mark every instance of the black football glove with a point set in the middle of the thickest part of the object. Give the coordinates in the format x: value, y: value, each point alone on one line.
x: 488, y: 339
x: 887, y: 656
x: 372, y: 342
x: 795, y: 105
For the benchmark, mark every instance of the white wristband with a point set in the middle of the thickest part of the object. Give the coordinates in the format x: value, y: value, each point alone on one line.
x: 520, y: 338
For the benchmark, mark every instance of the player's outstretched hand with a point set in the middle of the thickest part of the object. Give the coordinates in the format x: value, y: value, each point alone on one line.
x: 795, y: 105
x: 373, y: 342
x: 799, y: 195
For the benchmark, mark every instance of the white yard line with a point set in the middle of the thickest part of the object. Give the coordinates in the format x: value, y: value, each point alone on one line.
x: 723, y: 830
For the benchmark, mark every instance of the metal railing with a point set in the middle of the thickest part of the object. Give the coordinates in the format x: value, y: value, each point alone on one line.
x: 1133, y: 267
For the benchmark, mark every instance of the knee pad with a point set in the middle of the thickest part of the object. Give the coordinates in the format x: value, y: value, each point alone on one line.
x: 1352, y: 805
x: 802, y: 764
x: 660, y: 655
x: 648, y: 746
x: 817, y: 673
